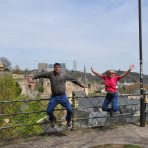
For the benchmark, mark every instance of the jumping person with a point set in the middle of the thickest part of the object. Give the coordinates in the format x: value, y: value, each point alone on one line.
x: 58, y: 79
x: 110, y: 81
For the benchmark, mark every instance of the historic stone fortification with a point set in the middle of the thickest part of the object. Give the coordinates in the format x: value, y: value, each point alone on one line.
x: 29, y: 87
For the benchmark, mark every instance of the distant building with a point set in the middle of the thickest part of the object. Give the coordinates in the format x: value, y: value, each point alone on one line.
x: 50, y: 66
x: 17, y: 76
x: 74, y: 65
x: 42, y: 67
x: 30, y: 83
x: 1, y: 66
x: 63, y: 66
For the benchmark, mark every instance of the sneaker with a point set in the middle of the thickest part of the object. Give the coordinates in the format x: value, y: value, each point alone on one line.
x: 120, y: 110
x: 52, y: 123
x: 68, y: 123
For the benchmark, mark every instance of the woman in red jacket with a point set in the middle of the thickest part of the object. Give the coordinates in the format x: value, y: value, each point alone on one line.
x: 110, y: 81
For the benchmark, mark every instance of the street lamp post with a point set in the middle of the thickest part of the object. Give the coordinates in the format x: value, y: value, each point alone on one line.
x: 142, y: 104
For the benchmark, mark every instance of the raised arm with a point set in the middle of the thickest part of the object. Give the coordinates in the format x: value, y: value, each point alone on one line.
x: 96, y: 73
x: 42, y: 75
x: 73, y: 80
x: 131, y: 67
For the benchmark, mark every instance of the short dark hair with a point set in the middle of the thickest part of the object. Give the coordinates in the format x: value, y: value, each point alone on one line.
x: 57, y: 64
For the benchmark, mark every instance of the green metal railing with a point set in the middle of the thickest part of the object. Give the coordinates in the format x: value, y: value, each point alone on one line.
x: 22, y: 118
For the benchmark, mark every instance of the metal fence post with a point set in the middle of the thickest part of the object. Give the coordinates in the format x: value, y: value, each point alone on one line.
x: 73, y: 109
x: 144, y: 109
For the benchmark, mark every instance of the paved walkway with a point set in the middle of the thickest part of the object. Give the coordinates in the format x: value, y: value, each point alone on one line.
x: 86, y: 138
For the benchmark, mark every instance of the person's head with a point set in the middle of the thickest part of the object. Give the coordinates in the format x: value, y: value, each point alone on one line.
x: 57, y: 68
x: 110, y: 73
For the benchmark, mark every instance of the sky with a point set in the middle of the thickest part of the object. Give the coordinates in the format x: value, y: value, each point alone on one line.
x: 99, y: 33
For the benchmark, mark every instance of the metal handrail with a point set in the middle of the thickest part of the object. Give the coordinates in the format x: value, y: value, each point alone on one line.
x: 78, y: 120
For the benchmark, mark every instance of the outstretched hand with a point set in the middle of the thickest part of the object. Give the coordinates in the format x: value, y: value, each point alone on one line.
x: 131, y: 67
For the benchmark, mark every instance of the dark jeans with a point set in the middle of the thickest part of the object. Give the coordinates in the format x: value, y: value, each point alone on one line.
x: 63, y: 100
x: 113, y: 99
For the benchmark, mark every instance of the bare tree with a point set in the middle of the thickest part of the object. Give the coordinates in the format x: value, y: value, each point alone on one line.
x: 6, y: 63
x: 16, y: 69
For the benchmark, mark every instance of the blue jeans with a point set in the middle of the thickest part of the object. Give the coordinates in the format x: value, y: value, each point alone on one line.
x: 63, y: 100
x: 113, y: 99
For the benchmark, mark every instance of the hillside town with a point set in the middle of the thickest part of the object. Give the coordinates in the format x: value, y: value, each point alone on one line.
x: 30, y: 87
